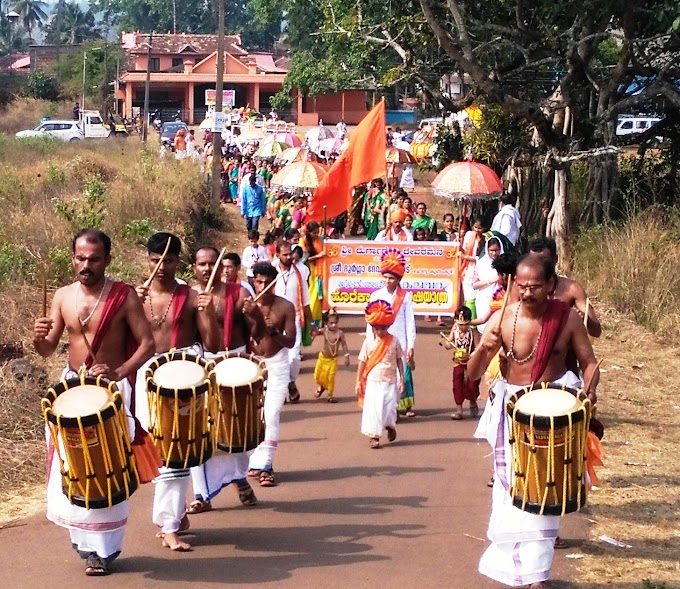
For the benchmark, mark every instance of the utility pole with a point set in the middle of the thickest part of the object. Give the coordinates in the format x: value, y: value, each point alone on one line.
x: 60, y: 7
x: 219, y: 82
x: 147, y: 87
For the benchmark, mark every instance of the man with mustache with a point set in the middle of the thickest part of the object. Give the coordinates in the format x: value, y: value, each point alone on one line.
x: 536, y: 334
x: 109, y: 315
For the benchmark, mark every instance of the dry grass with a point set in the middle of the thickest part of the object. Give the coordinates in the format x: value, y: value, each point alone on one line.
x: 26, y: 113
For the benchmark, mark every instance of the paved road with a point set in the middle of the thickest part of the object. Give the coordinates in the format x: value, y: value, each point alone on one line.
x: 411, y: 514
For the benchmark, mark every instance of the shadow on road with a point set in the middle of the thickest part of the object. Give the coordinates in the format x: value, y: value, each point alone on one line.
x: 342, y: 473
x: 345, y: 505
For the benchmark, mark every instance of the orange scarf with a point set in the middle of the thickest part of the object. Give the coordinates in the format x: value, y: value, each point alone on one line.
x: 389, y: 236
x: 373, y: 360
x: 399, y: 296
x: 299, y: 293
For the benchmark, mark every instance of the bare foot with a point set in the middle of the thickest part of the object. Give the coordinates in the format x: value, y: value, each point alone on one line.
x: 172, y: 541
x: 184, y: 524
x: 539, y: 585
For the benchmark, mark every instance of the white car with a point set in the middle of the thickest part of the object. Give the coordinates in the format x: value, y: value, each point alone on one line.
x: 64, y: 130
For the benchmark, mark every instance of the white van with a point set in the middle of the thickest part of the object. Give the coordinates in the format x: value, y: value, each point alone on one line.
x: 632, y: 124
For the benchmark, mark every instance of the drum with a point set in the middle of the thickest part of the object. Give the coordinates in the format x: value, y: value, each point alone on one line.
x: 549, y: 429
x: 240, y: 382
x: 88, y: 427
x: 181, y: 408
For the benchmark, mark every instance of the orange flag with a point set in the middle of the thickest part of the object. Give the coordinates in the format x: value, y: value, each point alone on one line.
x: 363, y: 160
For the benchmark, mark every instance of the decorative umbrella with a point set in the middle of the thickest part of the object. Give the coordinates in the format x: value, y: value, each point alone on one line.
x: 317, y: 134
x: 290, y: 139
x: 268, y: 151
x: 250, y: 133
x: 292, y: 154
x: 394, y: 155
x: 299, y: 175
x: 467, y: 180
x: 331, y: 145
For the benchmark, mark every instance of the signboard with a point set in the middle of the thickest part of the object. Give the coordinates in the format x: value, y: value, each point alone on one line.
x: 218, y: 122
x: 228, y: 97
x: 351, y: 272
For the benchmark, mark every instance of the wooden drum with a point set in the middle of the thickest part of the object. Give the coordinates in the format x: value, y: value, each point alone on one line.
x: 88, y: 427
x: 181, y: 408
x: 240, y: 382
x: 549, y: 429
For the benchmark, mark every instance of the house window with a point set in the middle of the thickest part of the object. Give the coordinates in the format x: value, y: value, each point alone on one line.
x: 177, y: 61
x: 154, y: 64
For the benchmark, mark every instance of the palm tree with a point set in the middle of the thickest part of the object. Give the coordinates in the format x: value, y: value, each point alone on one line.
x: 32, y: 13
x: 77, y: 25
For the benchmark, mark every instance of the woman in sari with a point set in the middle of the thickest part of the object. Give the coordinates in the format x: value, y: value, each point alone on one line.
x: 472, y: 245
x: 314, y: 250
x: 374, y: 209
x: 485, y: 281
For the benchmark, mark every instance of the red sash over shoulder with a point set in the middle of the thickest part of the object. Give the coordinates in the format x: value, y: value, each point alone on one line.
x: 178, y: 302
x: 116, y: 299
x: 554, y: 320
x: 231, y: 294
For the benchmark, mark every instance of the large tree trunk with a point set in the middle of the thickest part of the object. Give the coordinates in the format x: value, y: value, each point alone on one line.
x: 558, y: 220
x: 602, y: 189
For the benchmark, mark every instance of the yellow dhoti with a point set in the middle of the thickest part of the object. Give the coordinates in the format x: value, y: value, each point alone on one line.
x: 324, y: 373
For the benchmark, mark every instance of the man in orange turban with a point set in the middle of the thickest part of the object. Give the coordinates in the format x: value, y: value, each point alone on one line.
x: 395, y: 231
x: 380, y: 375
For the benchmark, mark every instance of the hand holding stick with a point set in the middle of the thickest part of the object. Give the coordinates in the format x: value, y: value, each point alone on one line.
x: 505, y: 302
x: 149, y: 280
x: 44, y: 292
x: 585, y: 317
x: 216, y: 267
x: 272, y: 283
x: 445, y: 338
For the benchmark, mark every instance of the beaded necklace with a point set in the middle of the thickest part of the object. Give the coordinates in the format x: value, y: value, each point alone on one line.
x: 160, y: 320
x: 511, y: 352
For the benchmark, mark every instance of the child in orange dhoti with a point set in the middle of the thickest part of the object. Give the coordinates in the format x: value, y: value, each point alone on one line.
x: 327, y: 362
x: 380, y: 375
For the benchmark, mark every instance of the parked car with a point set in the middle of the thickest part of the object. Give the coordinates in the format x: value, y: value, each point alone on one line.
x: 169, y: 130
x: 632, y: 124
x: 64, y: 130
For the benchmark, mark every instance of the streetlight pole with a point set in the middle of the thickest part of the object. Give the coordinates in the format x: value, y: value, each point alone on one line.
x: 12, y: 17
x: 82, y: 102
x: 219, y: 84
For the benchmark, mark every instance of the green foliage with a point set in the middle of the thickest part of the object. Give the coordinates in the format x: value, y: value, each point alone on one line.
x: 88, y: 211
x: 75, y: 27
x: 496, y: 137
x: 41, y: 86
x: 56, y: 175
x: 14, y: 263
x: 60, y: 268
x: 449, y: 147
x: 648, y: 583
x: 139, y: 230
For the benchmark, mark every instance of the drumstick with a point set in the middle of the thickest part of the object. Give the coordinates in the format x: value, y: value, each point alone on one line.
x: 216, y: 267
x: 149, y: 280
x: 266, y: 288
x: 505, y: 301
x: 444, y: 336
x: 590, y: 380
x: 88, y: 346
x: 585, y: 317
x: 44, y: 292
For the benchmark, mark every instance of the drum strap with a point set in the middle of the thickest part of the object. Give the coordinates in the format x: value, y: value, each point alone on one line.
x: 178, y: 302
x: 554, y: 320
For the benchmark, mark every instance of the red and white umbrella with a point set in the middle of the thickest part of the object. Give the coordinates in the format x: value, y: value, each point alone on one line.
x: 290, y: 139
x: 467, y: 180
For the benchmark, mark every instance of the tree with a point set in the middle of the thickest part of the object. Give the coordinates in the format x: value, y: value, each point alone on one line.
x: 41, y: 86
x: 76, y: 26
x: 33, y: 13
x: 565, y: 69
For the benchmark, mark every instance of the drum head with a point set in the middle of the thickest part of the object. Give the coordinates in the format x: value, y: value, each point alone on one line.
x: 234, y: 372
x: 179, y: 374
x: 547, y: 403
x: 81, y: 401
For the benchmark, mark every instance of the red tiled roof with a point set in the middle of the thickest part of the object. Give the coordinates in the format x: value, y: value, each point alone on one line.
x: 265, y: 63
x: 174, y: 44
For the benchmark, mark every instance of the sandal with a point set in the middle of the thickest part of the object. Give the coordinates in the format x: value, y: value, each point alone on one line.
x: 95, y: 566
x: 199, y: 506
x: 375, y: 443
x: 293, y: 393
x: 319, y: 391
x: 391, y: 433
x: 332, y: 400
x: 560, y: 544
x: 410, y: 413
x: 457, y: 415
x: 474, y: 409
x: 253, y: 473
x: 267, y: 479
x: 246, y: 494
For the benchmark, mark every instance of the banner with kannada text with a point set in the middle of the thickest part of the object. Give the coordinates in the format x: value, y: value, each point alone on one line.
x: 351, y: 273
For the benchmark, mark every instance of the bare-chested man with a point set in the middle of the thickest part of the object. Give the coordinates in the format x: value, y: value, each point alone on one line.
x: 567, y: 290
x: 222, y: 468
x: 172, y: 309
x: 536, y: 333
x: 272, y: 335
x: 109, y: 315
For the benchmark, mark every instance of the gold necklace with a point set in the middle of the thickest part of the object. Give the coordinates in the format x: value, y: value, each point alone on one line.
x: 84, y: 322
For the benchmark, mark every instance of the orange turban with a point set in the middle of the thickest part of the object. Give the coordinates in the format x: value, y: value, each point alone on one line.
x: 393, y: 262
x: 398, y: 215
x: 379, y: 314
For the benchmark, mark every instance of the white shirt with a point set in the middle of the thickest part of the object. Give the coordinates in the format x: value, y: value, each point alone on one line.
x: 245, y: 284
x: 253, y: 255
x: 287, y: 287
x: 507, y: 221
x: 404, y: 326
x: 382, y: 235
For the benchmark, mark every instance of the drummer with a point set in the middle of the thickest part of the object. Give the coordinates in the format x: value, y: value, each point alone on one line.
x: 536, y: 333
x: 273, y: 334
x: 222, y: 468
x: 172, y: 309
x: 110, y: 316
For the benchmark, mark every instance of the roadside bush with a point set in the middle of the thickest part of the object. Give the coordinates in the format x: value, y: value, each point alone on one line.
x: 41, y: 86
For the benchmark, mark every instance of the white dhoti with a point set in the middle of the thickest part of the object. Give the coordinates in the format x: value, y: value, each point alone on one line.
x: 295, y: 353
x: 522, y: 543
x: 278, y: 377
x: 92, y: 530
x: 380, y: 407
x: 169, y: 500
x: 222, y: 468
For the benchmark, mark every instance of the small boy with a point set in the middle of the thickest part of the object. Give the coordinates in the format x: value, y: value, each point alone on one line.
x: 380, y: 375
x: 253, y: 254
x: 327, y: 362
x: 463, y: 342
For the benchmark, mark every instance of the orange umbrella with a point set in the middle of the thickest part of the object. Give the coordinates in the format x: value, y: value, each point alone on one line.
x: 292, y: 154
x: 299, y: 175
x: 467, y: 180
x: 394, y: 155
